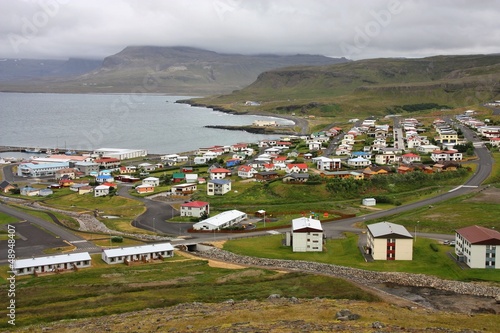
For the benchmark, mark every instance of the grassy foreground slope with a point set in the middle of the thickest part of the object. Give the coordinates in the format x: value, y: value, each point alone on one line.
x: 366, y: 87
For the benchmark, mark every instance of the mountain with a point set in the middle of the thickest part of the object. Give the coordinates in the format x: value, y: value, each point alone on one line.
x: 378, y: 86
x: 22, y: 70
x: 173, y: 70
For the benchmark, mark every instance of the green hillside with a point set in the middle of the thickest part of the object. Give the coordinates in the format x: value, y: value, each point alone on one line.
x: 374, y: 86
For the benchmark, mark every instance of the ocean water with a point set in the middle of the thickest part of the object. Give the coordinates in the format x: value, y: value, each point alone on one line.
x: 91, y: 121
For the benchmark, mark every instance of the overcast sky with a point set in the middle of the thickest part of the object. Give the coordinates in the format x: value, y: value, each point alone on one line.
x: 353, y: 29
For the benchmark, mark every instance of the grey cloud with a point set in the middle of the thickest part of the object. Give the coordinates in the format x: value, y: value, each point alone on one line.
x: 355, y: 29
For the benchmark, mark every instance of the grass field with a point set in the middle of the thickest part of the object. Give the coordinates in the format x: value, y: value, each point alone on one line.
x: 108, y: 289
x: 345, y: 252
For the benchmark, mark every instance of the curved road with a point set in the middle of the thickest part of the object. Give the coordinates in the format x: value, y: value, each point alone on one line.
x: 157, y: 212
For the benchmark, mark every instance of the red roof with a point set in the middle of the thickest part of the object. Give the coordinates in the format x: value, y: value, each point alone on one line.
x: 195, y: 204
x: 220, y: 170
x: 245, y: 168
x: 480, y: 235
x: 299, y: 165
x: 410, y: 155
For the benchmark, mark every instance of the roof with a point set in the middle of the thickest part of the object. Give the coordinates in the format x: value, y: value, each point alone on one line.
x: 220, y: 170
x: 388, y: 230
x: 306, y: 223
x: 196, y: 204
x: 222, y: 218
x: 480, y: 235
x: 150, y: 248
x: 220, y: 181
x: 51, y: 260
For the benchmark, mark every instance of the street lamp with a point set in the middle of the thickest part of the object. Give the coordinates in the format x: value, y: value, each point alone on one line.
x: 154, y: 229
x: 416, y: 231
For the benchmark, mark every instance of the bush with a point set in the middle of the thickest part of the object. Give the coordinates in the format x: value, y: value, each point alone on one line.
x: 434, y: 247
x: 117, y: 239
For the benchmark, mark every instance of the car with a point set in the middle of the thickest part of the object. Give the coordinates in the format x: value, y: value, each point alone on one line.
x: 446, y: 242
x: 452, y: 243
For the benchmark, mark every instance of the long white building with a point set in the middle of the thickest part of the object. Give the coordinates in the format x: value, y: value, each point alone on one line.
x: 40, y: 170
x: 137, y: 253
x: 70, y: 261
x: 221, y: 221
x: 122, y: 154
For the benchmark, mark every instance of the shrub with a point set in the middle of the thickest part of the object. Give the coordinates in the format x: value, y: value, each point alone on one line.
x: 434, y: 247
x: 117, y: 239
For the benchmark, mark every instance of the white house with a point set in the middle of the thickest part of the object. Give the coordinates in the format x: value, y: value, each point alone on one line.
x: 427, y: 148
x: 246, y: 171
x: 195, y: 208
x: 478, y: 247
x: 328, y: 164
x: 221, y: 221
x: 219, y: 173
x: 389, y: 241
x: 446, y: 155
x: 306, y: 235
x: 101, y: 191
x: 358, y: 162
x: 218, y: 186
x: 153, y: 181
x: 57, y: 263
x: 137, y: 253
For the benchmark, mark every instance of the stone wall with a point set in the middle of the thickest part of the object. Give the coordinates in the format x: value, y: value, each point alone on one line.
x: 364, y: 277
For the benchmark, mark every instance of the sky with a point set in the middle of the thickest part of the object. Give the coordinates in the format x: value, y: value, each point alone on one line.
x: 355, y: 29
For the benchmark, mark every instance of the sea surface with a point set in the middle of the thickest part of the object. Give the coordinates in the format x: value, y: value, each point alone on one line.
x: 91, y: 121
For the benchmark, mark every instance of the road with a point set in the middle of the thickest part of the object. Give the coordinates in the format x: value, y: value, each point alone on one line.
x: 158, y: 212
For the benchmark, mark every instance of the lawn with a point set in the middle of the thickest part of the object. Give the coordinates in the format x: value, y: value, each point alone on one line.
x: 345, y: 252
x: 110, y: 289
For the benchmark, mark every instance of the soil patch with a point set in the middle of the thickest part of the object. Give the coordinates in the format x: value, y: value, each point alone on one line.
x: 489, y: 195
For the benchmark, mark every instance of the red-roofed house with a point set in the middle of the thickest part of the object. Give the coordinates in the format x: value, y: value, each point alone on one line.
x: 219, y: 173
x: 246, y: 171
x: 297, y: 168
x: 108, y: 162
x: 195, y: 208
x: 410, y: 158
x: 495, y: 142
x: 477, y: 246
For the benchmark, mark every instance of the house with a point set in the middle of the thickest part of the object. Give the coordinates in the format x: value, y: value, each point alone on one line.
x: 369, y: 202
x: 445, y: 166
x: 200, y: 160
x: 306, y: 235
x: 315, y: 145
x: 55, y: 264
x: 219, y: 173
x: 426, y: 149
x: 191, y: 177
x: 410, y: 158
x: 40, y: 169
x: 85, y: 189
x: 104, y: 178
x: 183, y: 189
x: 108, y: 162
x: 101, y: 191
x: 328, y: 164
x: 220, y: 221
x: 127, y: 169
x: 144, y: 188
x: 388, y: 158
x: 246, y: 171
x: 143, y: 253
x: 266, y: 175
x: 44, y: 192
x: 147, y: 167
x: 233, y: 162
x: 495, y: 142
x: 66, y: 182
x: 87, y: 167
x: 178, y: 177
x: 297, y: 168
x: 296, y: 178
x: 343, y: 174
x: 5, y: 186
x: 152, y: 181
x: 358, y: 162
x: 218, y: 186
x: 68, y: 173
x: 446, y: 155
x: 195, y: 208
x: 376, y: 170
x: 29, y: 191
x: 389, y: 241
x: 478, y: 247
